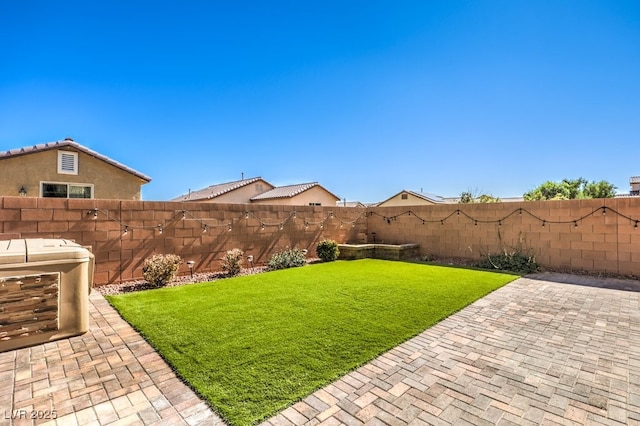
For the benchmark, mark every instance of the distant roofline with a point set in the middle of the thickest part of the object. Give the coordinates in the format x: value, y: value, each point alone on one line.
x: 226, y: 187
x: 303, y: 187
x: 416, y: 194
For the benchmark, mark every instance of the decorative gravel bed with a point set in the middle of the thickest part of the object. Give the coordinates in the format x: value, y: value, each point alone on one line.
x: 137, y: 285
x: 129, y: 286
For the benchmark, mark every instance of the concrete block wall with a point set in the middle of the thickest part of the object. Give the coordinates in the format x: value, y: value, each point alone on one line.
x: 123, y: 233
x: 601, y: 242
x: 607, y: 242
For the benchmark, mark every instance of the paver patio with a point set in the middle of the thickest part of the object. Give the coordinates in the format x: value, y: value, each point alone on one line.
x: 540, y: 350
x: 108, y: 376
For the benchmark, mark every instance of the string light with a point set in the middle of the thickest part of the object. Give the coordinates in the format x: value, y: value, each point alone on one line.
x: 388, y: 219
x: 500, y: 221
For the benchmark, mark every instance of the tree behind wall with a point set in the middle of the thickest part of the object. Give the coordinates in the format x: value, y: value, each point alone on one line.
x: 468, y: 197
x: 570, y: 189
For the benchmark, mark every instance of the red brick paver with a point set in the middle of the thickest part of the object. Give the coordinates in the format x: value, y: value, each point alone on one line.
x: 108, y: 376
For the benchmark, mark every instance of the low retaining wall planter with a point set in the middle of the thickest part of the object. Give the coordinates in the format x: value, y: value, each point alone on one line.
x: 379, y: 251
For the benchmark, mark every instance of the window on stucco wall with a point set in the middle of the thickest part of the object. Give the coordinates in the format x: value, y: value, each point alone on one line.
x: 66, y: 190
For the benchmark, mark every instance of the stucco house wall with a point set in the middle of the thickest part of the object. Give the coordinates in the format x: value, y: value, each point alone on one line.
x: 411, y: 200
x: 28, y: 171
x: 313, y: 196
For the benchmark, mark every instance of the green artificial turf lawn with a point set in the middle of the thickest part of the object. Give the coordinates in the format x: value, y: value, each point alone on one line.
x: 253, y: 345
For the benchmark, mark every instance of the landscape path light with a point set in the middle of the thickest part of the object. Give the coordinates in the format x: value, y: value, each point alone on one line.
x: 190, y: 264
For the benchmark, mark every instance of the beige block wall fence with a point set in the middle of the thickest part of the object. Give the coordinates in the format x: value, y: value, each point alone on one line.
x: 606, y: 242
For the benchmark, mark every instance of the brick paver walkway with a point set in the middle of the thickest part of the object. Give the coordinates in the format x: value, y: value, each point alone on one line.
x: 108, y: 376
x: 537, y: 351
x: 534, y: 352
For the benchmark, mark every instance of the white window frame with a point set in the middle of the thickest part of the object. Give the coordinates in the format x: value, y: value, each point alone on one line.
x: 61, y: 171
x: 86, y: 185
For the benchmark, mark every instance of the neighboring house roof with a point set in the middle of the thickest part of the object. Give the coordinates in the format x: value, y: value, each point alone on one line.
x: 432, y: 198
x: 349, y: 204
x: 217, y: 190
x: 289, y: 191
x: 72, y: 144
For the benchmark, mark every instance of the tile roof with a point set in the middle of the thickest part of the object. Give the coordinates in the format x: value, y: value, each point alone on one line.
x: 350, y: 204
x: 70, y: 143
x: 289, y: 191
x: 217, y: 190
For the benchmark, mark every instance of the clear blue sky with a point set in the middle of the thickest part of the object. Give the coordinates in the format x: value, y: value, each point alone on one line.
x: 365, y: 97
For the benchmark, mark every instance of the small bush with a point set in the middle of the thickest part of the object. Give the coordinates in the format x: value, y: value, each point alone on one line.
x: 327, y: 250
x: 515, y: 261
x: 232, y: 262
x: 161, y: 269
x: 289, y: 258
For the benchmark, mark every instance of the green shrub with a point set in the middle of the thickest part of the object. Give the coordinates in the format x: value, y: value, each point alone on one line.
x: 161, y: 269
x: 327, y: 250
x: 515, y: 261
x: 232, y: 262
x: 288, y: 258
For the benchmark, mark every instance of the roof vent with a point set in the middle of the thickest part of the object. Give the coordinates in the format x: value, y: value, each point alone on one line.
x: 69, y: 139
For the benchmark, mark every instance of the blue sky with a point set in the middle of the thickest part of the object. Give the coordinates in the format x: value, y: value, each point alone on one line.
x: 365, y: 97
